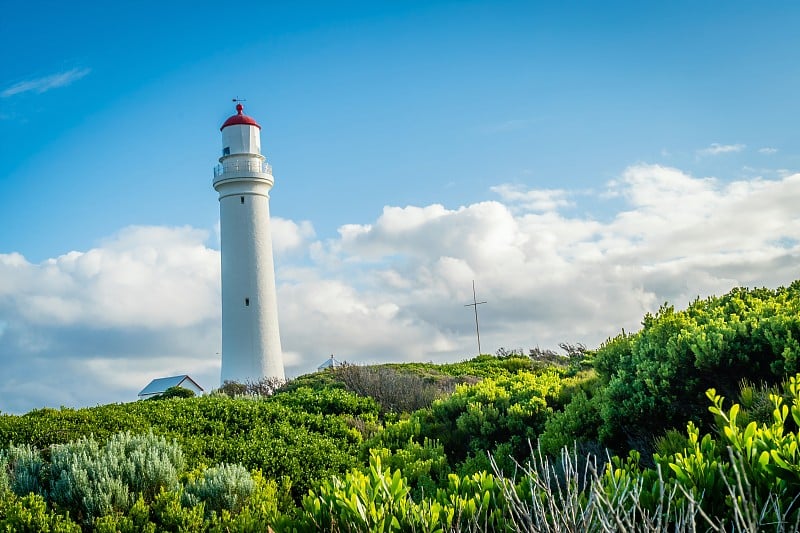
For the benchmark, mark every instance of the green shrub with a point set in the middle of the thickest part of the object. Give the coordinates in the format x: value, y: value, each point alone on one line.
x: 270, y: 503
x: 136, y: 520
x: 424, y: 466
x: 328, y: 402
x: 756, y: 405
x: 377, y: 501
x: 169, y: 515
x: 478, y: 502
x: 671, y: 443
x: 174, y: 392
x: 29, y: 514
x: 579, y: 423
x: 656, y: 378
x: 280, y: 439
x: 478, y: 417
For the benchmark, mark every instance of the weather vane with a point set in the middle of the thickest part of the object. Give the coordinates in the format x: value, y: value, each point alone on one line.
x: 237, y: 99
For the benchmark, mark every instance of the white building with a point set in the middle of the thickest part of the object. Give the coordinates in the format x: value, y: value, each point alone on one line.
x: 251, y: 344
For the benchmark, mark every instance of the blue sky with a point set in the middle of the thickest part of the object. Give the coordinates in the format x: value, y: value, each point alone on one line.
x: 416, y: 146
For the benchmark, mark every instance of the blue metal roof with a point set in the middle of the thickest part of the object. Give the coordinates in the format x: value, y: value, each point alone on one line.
x: 159, y: 385
x: 331, y: 362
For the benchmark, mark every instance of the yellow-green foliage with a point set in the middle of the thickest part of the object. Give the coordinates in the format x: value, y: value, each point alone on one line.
x: 377, y: 500
x: 476, y: 418
x: 30, y: 514
x: 481, y: 366
x: 656, y: 378
x: 750, y: 465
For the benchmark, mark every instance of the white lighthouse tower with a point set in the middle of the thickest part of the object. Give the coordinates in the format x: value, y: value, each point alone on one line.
x: 251, y: 344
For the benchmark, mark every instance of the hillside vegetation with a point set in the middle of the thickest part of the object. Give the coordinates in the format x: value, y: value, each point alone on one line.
x: 690, y: 423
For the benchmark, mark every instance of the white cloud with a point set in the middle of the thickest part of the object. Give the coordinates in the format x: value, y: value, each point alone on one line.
x: 533, y: 200
x: 45, y: 83
x: 767, y: 150
x: 95, y: 326
x: 716, y: 149
x: 145, y: 298
x: 289, y: 236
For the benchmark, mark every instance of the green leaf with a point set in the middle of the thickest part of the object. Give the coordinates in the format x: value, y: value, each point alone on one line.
x: 763, y: 459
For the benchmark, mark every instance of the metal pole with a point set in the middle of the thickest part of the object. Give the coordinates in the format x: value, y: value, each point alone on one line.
x: 475, y: 303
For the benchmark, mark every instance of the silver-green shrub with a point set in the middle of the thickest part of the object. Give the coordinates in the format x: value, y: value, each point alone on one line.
x: 92, y: 481
x: 146, y: 463
x: 4, y: 478
x: 23, y: 470
x: 221, y: 487
x: 85, y: 480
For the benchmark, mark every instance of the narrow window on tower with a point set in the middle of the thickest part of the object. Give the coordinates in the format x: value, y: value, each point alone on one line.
x: 226, y: 150
x: 247, y: 302
x: 241, y: 199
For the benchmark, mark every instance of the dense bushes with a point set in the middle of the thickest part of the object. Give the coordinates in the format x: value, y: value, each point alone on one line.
x: 746, y: 477
x: 656, y: 378
x: 497, y: 415
x: 131, y: 483
x: 91, y: 481
x: 340, y: 450
x: 30, y: 514
x: 281, y: 439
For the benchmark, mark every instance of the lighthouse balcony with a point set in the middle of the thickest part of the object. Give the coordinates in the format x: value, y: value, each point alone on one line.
x: 242, y: 168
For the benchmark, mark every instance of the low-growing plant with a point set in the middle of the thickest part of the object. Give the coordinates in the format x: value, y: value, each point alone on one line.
x: 424, y: 466
x: 30, y: 514
x: 378, y: 500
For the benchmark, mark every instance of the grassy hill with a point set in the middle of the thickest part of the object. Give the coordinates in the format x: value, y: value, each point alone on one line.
x: 637, y: 431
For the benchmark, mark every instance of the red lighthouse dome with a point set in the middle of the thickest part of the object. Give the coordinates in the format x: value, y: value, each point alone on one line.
x: 240, y: 118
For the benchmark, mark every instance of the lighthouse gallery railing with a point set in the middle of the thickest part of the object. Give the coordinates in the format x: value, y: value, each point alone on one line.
x: 242, y: 166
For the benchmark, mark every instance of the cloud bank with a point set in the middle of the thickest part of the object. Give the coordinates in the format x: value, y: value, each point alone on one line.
x: 93, y: 327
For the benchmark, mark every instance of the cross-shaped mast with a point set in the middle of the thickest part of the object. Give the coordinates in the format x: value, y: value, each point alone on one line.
x: 475, y: 303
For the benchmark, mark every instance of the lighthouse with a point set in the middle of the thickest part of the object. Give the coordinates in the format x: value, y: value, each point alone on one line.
x: 251, y: 344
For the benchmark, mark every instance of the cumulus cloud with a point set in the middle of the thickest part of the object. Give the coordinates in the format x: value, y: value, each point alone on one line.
x: 289, y: 236
x: 717, y: 149
x: 144, y: 298
x: 45, y: 83
x: 767, y: 150
x: 95, y: 326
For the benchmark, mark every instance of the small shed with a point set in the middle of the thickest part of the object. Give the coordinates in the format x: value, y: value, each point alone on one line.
x: 330, y: 363
x: 159, y: 385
